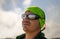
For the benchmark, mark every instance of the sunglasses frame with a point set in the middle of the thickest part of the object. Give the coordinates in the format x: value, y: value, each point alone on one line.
x: 27, y: 15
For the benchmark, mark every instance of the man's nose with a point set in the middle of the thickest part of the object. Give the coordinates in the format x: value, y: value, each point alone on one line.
x: 25, y: 20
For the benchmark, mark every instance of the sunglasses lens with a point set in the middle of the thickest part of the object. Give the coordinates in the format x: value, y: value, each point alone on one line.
x: 23, y: 16
x: 32, y: 16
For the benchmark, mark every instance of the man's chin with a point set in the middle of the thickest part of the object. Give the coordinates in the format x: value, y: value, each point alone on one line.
x: 25, y: 29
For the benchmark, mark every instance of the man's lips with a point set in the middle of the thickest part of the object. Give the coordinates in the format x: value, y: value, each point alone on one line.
x: 25, y: 24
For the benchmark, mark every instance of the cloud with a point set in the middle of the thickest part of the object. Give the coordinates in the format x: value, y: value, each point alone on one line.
x: 18, y: 11
x: 27, y: 3
x: 1, y: 2
x: 10, y: 23
x: 52, y: 21
x: 8, y: 5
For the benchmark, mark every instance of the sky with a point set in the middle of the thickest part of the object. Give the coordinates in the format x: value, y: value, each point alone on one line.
x: 10, y: 16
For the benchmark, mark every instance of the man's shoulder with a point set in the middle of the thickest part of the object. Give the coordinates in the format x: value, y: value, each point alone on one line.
x: 20, y: 36
x: 40, y: 36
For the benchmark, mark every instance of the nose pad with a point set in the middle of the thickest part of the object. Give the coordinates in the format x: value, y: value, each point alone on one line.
x: 26, y: 19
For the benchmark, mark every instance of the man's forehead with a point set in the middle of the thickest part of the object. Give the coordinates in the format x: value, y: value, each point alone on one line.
x: 28, y: 12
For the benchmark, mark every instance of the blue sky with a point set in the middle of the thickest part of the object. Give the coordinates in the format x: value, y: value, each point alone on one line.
x: 11, y: 10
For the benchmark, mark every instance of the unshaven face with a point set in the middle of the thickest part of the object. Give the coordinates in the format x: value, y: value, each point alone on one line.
x: 30, y: 25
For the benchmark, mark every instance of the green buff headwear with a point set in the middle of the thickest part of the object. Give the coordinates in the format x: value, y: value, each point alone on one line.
x: 38, y: 11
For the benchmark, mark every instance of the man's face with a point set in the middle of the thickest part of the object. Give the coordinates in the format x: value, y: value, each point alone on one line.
x: 30, y: 25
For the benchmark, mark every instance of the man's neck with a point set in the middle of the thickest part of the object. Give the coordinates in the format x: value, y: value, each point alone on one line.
x: 31, y: 35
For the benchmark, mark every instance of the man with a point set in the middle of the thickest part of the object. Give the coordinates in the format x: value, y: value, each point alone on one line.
x: 33, y: 23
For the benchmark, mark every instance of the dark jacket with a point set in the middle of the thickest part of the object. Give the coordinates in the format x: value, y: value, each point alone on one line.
x: 40, y: 35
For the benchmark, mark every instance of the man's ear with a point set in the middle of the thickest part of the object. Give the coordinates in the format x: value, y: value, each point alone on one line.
x: 44, y: 26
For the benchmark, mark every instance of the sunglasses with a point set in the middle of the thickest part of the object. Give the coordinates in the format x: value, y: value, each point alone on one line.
x: 30, y: 16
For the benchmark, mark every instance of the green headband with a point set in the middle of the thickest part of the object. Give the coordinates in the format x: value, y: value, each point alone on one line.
x: 39, y: 12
